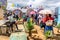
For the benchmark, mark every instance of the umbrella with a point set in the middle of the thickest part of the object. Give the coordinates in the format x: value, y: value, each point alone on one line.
x: 24, y: 10
x: 42, y: 12
x: 32, y: 12
x: 46, y: 12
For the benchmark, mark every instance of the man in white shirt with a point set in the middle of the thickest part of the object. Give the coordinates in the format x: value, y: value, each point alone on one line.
x: 12, y: 21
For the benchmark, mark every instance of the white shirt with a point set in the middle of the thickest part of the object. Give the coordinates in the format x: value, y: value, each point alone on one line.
x: 11, y: 19
x: 39, y: 17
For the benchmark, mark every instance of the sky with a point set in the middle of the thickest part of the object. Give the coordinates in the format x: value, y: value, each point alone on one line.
x: 48, y: 4
x: 52, y: 3
x: 36, y: 3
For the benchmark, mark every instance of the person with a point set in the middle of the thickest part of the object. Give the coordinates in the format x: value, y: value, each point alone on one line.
x: 48, y: 30
x: 55, y: 20
x: 50, y: 17
x: 36, y: 18
x: 39, y: 18
x: 42, y: 23
x: 6, y: 14
x: 30, y: 24
x: 12, y: 21
x: 24, y: 18
x: 16, y: 16
x: 45, y: 19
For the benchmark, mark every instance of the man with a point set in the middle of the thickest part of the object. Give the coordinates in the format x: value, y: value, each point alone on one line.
x: 45, y: 19
x: 36, y: 18
x: 12, y: 21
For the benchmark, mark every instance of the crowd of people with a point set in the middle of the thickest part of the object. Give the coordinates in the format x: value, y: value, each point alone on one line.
x: 37, y: 18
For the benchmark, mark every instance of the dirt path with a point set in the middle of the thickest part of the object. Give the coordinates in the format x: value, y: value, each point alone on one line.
x: 4, y: 37
x: 39, y: 33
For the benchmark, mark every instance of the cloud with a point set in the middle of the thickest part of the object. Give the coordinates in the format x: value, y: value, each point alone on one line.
x: 45, y: 3
x: 51, y: 4
x: 35, y: 3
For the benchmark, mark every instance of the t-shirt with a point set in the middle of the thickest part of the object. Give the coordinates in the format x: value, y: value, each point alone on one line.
x: 44, y: 20
x: 11, y: 19
x: 47, y: 18
x: 39, y: 17
x: 51, y: 18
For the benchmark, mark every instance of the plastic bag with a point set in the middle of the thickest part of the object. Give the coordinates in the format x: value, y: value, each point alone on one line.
x: 49, y: 33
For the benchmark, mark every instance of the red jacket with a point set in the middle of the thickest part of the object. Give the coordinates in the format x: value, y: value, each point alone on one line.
x: 47, y: 18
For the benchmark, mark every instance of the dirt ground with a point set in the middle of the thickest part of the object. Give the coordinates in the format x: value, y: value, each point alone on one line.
x: 36, y: 36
